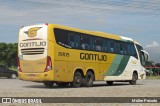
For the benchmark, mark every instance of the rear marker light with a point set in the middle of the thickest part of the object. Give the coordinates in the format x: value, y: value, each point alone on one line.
x: 48, y: 64
x: 19, y: 67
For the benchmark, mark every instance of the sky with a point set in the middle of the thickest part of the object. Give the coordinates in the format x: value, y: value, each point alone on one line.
x: 137, y: 19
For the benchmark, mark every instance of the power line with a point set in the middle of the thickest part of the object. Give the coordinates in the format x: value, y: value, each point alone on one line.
x: 139, y: 5
x: 81, y: 7
x: 133, y: 1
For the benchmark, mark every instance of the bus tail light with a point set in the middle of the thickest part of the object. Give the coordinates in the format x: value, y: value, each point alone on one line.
x: 48, y: 64
x: 19, y: 67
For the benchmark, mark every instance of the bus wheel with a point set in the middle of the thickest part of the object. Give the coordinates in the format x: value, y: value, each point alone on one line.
x: 134, y: 79
x: 48, y: 84
x: 62, y: 84
x: 109, y: 82
x: 77, y: 80
x: 88, y: 80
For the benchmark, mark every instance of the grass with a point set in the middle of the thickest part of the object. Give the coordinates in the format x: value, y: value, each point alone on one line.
x: 153, y: 77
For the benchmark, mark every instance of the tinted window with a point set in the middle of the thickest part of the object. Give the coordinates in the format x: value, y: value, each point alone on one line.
x: 106, y: 45
x: 112, y: 45
x: 99, y: 44
x: 85, y: 42
x: 122, y: 48
x: 132, y: 50
x: 125, y: 48
x: 61, y: 37
x: 119, y: 48
x: 77, y: 40
x: 139, y: 48
x: 71, y: 40
x: 141, y: 56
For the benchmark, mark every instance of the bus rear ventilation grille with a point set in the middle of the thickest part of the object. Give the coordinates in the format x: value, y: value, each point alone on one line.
x: 32, y: 51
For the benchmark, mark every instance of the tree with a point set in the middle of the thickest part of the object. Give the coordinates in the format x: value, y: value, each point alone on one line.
x: 8, y: 54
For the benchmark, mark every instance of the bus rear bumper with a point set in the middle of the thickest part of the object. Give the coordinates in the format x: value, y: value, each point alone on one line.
x: 45, y: 76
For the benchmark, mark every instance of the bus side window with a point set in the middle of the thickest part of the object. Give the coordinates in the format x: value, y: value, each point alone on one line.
x: 71, y: 40
x: 85, y: 42
x: 106, y: 45
x: 77, y: 40
x: 111, y: 46
x: 125, y: 48
x: 92, y: 45
x: 61, y: 37
x: 99, y: 42
x: 118, y: 48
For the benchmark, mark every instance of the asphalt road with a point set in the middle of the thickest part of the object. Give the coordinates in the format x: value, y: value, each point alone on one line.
x: 18, y: 88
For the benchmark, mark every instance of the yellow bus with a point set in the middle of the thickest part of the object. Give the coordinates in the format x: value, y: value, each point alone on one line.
x: 55, y: 54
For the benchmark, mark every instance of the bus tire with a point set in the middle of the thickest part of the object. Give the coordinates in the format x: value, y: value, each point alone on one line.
x: 77, y: 80
x: 48, y: 84
x: 88, y: 80
x: 62, y: 84
x: 134, y: 79
x: 109, y: 82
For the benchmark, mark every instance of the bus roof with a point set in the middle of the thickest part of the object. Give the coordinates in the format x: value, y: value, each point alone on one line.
x: 102, y: 34
x: 99, y: 33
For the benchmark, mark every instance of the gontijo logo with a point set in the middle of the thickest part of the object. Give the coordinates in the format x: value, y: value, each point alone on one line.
x: 32, y: 32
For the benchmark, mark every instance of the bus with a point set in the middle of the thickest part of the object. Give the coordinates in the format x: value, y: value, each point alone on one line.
x: 65, y: 56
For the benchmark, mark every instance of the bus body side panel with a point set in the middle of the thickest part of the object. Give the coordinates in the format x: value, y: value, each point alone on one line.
x: 126, y: 70
x: 59, y: 66
x: 68, y: 60
x: 122, y: 68
x: 104, y: 67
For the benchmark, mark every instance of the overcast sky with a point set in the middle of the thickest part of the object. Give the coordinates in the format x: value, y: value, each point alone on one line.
x: 138, y: 19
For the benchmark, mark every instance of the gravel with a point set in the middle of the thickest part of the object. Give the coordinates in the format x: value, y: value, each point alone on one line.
x: 18, y: 88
